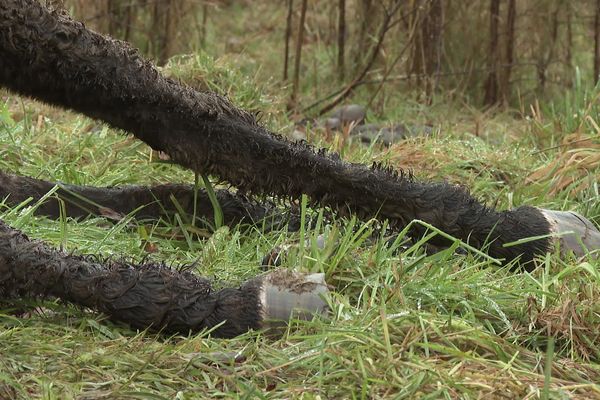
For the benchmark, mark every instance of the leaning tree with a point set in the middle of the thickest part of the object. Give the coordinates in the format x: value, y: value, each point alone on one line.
x: 46, y: 55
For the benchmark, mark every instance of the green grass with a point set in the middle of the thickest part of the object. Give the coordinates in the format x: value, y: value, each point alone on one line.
x: 403, y: 324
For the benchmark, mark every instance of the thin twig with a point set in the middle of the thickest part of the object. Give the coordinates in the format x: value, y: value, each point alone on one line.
x: 373, y: 57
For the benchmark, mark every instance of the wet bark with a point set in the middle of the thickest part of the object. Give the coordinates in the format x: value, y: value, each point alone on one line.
x: 52, y: 58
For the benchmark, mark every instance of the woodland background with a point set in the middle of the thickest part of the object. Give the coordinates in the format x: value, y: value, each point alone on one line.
x: 486, y: 52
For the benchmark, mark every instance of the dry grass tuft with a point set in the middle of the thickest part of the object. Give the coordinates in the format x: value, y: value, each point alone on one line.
x: 578, y: 156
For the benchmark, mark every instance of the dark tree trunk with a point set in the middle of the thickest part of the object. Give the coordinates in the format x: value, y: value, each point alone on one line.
x: 427, y: 45
x: 510, y: 49
x: 341, y: 39
x: 288, y: 35
x: 298, y: 54
x: 433, y: 45
x: 370, y: 59
x: 165, y: 17
x: 120, y: 18
x: 491, y: 84
x: 547, y: 51
x: 416, y: 51
x: 203, y: 26
x: 113, y: 10
x: 60, y: 62
x: 367, y: 15
x: 569, y: 49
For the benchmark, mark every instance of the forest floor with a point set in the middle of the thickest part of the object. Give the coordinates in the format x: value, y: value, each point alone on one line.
x: 404, y: 324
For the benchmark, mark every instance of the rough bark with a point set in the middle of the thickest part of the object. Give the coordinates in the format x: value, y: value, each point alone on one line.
x: 52, y: 58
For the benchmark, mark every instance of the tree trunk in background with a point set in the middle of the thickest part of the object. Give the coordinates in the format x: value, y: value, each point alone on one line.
x: 114, y: 8
x: 341, y: 38
x: 203, y: 26
x: 597, y: 42
x: 366, y: 14
x: 128, y: 20
x: 370, y: 59
x: 427, y: 49
x: 120, y: 18
x: 288, y: 35
x: 547, y: 53
x: 433, y: 45
x: 416, y: 56
x: 298, y: 55
x: 94, y: 14
x: 528, y: 43
x: 115, y: 17
x: 511, y: 15
x: 569, y: 49
x: 160, y: 26
x: 491, y: 85
x: 162, y: 29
